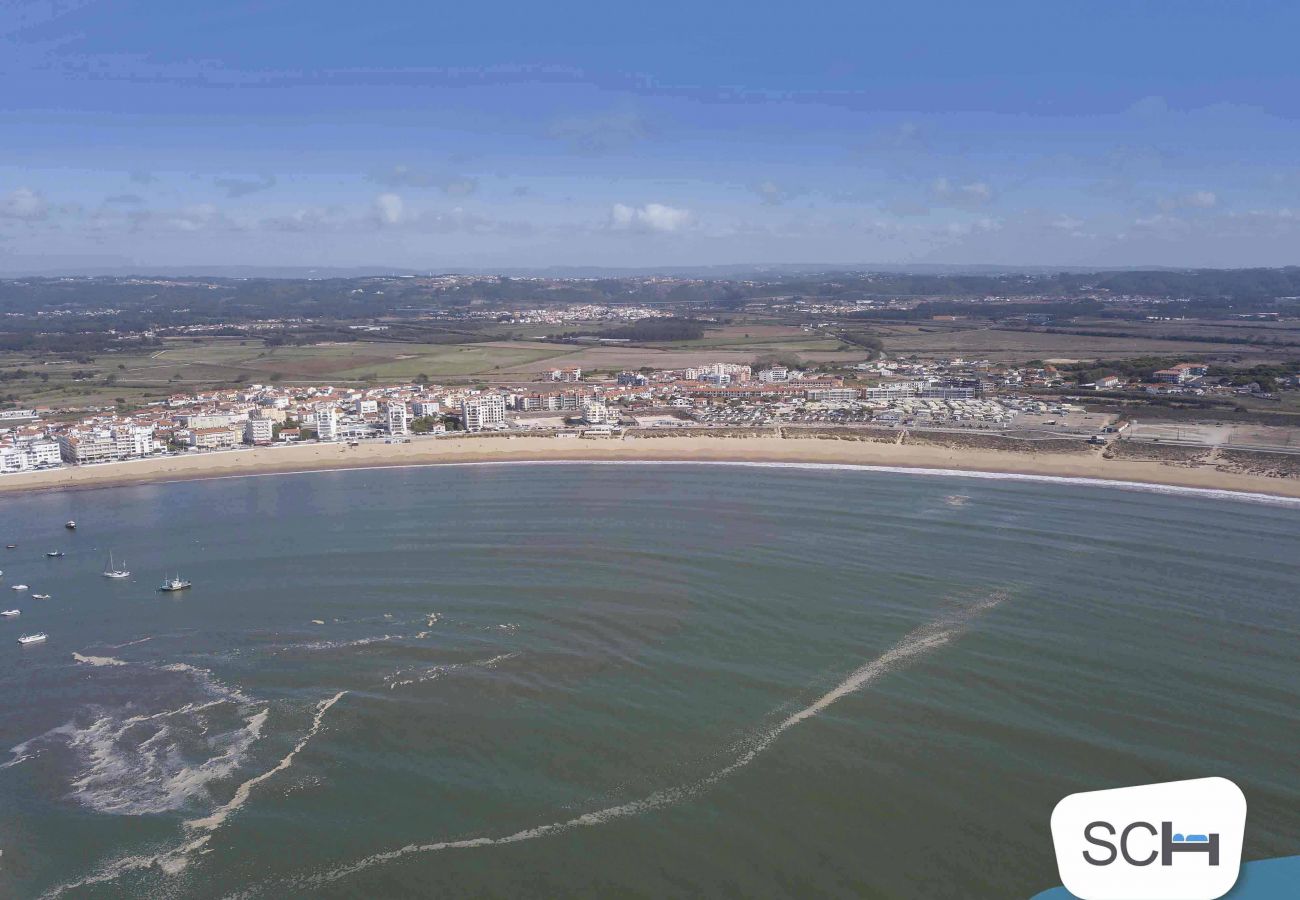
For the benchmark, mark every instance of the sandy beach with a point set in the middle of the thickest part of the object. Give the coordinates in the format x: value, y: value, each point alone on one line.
x: 1088, y: 463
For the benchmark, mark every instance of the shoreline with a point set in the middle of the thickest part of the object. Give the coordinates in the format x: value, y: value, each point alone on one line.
x: 1079, y: 466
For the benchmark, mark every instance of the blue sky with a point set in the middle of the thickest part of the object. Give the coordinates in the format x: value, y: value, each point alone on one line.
x: 494, y: 134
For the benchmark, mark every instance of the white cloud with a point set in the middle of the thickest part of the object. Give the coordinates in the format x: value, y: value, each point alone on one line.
x: 771, y: 193
x: 1194, y: 200
x: 388, y: 208
x: 24, y: 203
x: 601, y: 133
x: 196, y: 218
x: 651, y: 217
x: 974, y: 193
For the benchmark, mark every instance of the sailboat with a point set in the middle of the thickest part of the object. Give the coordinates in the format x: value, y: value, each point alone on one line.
x: 174, y: 584
x: 113, y: 571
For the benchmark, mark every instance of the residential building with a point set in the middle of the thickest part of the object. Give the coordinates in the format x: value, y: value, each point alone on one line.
x: 259, y: 431
x: 327, y: 422
x: 594, y: 412
x: 484, y: 412
x: 572, y: 373
x: 213, y: 438
x: 396, y: 418
x: 423, y: 408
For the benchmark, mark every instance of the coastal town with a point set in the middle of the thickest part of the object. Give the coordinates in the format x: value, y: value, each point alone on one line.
x: 950, y: 395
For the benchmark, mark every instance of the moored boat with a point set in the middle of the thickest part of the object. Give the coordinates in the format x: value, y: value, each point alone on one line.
x: 40, y: 596
x: 171, y: 585
x: 115, y: 571
x: 10, y: 613
x: 33, y: 638
x: 54, y: 554
x: 71, y: 525
x: 17, y: 587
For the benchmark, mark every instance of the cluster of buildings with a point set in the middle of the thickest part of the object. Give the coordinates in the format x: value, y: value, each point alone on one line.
x: 905, y: 392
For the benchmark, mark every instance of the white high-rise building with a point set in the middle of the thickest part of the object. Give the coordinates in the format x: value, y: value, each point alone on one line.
x: 327, y: 422
x: 487, y: 411
x: 396, y: 417
x: 259, y: 431
x: 595, y: 413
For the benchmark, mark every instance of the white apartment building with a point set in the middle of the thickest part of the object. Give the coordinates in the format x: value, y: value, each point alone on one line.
x: 774, y: 375
x: 396, y: 418
x: 214, y: 438
x: 327, y: 422
x: 259, y: 431
x: 570, y: 374
x: 595, y: 413
x: 106, y: 444
x: 423, y: 408
x: 487, y: 411
x: 364, y: 407
x: 205, y: 420
x: 29, y: 455
x: 833, y: 394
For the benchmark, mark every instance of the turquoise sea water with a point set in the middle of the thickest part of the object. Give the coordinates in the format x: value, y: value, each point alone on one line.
x: 626, y: 680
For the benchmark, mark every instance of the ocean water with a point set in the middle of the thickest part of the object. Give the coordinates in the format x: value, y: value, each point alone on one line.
x: 626, y: 680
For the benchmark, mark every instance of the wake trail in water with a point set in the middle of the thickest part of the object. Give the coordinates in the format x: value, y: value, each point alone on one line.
x: 913, y: 645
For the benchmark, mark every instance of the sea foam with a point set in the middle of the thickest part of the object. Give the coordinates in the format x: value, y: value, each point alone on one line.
x: 912, y: 646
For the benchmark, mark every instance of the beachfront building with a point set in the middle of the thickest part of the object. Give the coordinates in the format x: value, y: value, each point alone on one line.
x: 214, y: 438
x: 561, y: 401
x: 485, y: 412
x: 259, y: 431
x: 426, y: 408
x: 396, y: 418
x: 27, y: 455
x: 364, y: 407
x: 327, y: 422
x: 98, y: 445
x: 594, y: 412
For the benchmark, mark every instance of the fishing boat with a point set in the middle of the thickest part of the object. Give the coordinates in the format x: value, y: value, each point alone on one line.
x: 17, y: 587
x: 40, y: 596
x: 71, y: 525
x: 10, y: 613
x: 171, y: 585
x: 33, y: 638
x: 54, y: 554
x: 114, y: 571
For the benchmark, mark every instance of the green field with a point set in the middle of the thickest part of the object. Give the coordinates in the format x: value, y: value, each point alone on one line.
x: 185, y: 365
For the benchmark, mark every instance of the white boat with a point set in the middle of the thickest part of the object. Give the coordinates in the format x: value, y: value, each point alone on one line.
x: 174, y: 584
x: 33, y: 638
x: 10, y: 613
x: 54, y: 554
x: 113, y: 571
x: 17, y: 587
x: 40, y: 596
x: 71, y: 525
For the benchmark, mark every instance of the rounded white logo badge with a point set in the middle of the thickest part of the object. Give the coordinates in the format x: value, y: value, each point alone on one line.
x: 1180, y: 840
